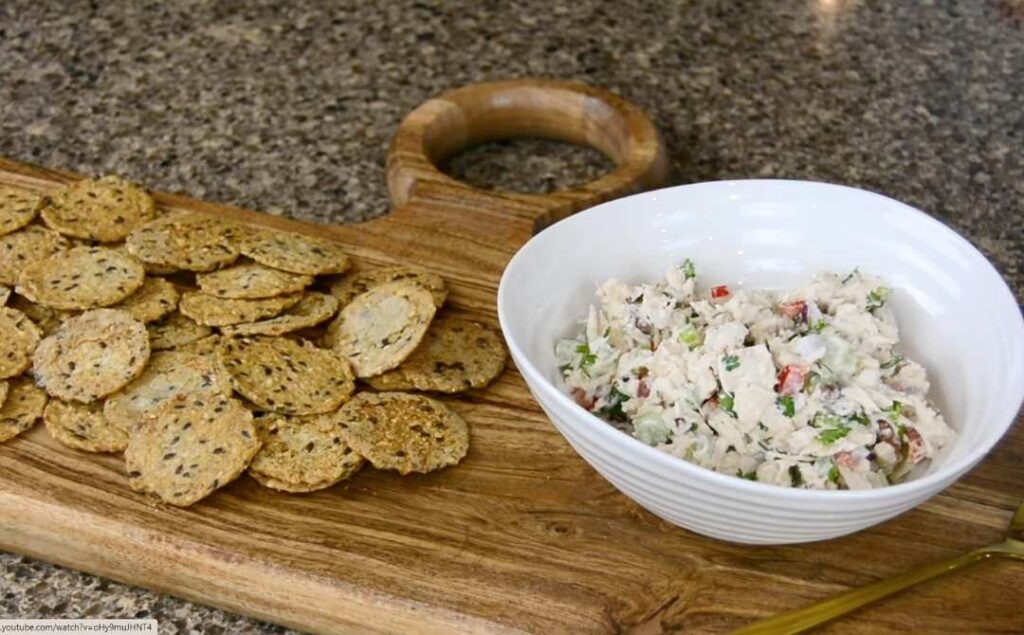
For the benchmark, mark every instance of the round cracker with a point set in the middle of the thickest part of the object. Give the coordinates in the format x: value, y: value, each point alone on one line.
x: 91, y: 356
x: 303, y: 454
x: 348, y: 288
x: 24, y: 247
x: 17, y: 208
x: 83, y: 427
x: 211, y: 311
x: 286, y: 486
x: 190, y: 242
x: 167, y: 375
x: 383, y: 326
x: 81, y: 278
x: 189, y: 447
x: 4, y: 387
x: 287, y: 376
x: 19, y: 337
x: 314, y: 308
x: 251, y: 281
x: 104, y: 210
x: 404, y: 432
x: 5, y: 294
x: 175, y: 331
x: 22, y: 408
x: 154, y: 300
x: 455, y: 355
x: 294, y: 252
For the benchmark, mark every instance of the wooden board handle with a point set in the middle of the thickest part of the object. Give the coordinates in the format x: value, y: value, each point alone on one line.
x: 550, y: 109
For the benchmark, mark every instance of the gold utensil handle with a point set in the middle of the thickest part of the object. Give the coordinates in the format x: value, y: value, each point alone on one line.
x: 802, y: 619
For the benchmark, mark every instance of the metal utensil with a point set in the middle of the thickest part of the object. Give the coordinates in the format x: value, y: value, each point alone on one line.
x: 808, y: 617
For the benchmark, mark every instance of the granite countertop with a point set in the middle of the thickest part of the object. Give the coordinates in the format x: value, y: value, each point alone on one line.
x: 289, y: 107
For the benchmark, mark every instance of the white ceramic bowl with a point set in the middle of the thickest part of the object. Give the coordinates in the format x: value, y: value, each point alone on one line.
x: 956, y: 316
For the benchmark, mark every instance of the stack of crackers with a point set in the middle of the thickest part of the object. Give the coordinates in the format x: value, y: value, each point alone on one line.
x: 195, y: 346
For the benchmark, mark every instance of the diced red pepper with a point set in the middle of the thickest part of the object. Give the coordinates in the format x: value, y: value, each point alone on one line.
x: 643, y: 390
x: 721, y: 291
x: 915, y: 446
x: 796, y: 309
x: 582, y: 399
x: 791, y: 380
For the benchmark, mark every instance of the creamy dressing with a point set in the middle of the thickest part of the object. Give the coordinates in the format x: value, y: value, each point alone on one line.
x: 800, y: 389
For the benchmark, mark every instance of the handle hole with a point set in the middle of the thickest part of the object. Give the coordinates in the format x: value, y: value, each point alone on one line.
x: 527, y: 165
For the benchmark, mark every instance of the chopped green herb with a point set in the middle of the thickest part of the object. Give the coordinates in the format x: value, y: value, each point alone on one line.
x: 750, y: 476
x: 786, y: 404
x: 832, y: 435
x: 727, y: 402
x: 732, y: 362
x: 897, y: 360
x: 795, y: 476
x: 762, y: 426
x: 860, y: 418
x: 690, y: 336
x: 895, y: 410
x: 693, y: 427
x: 833, y: 474
x: 613, y: 410
x: 587, y: 358
x: 818, y: 326
x: 688, y: 269
x: 850, y: 276
x: 877, y: 298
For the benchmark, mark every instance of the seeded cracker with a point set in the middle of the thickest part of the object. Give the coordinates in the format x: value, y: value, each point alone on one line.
x: 189, y: 447
x: 295, y: 252
x: 83, y: 427
x: 455, y: 355
x: 360, y: 282
x: 287, y: 376
x: 403, y: 432
x: 302, y: 454
x: 251, y: 281
x: 19, y: 337
x: 81, y: 278
x: 167, y: 375
x: 154, y: 300
x: 191, y: 242
x: 5, y: 295
x: 381, y: 327
x: 211, y: 311
x: 106, y: 210
x: 17, y: 208
x: 313, y: 309
x: 91, y: 356
x: 175, y: 331
x: 24, y: 247
x: 4, y: 387
x: 22, y: 408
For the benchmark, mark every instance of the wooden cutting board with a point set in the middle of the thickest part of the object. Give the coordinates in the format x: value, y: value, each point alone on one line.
x: 523, y: 535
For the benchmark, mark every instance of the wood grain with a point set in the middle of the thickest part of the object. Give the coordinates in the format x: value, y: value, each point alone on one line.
x: 523, y: 536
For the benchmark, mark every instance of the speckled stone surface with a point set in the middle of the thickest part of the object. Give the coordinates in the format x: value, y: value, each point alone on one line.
x: 289, y: 107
